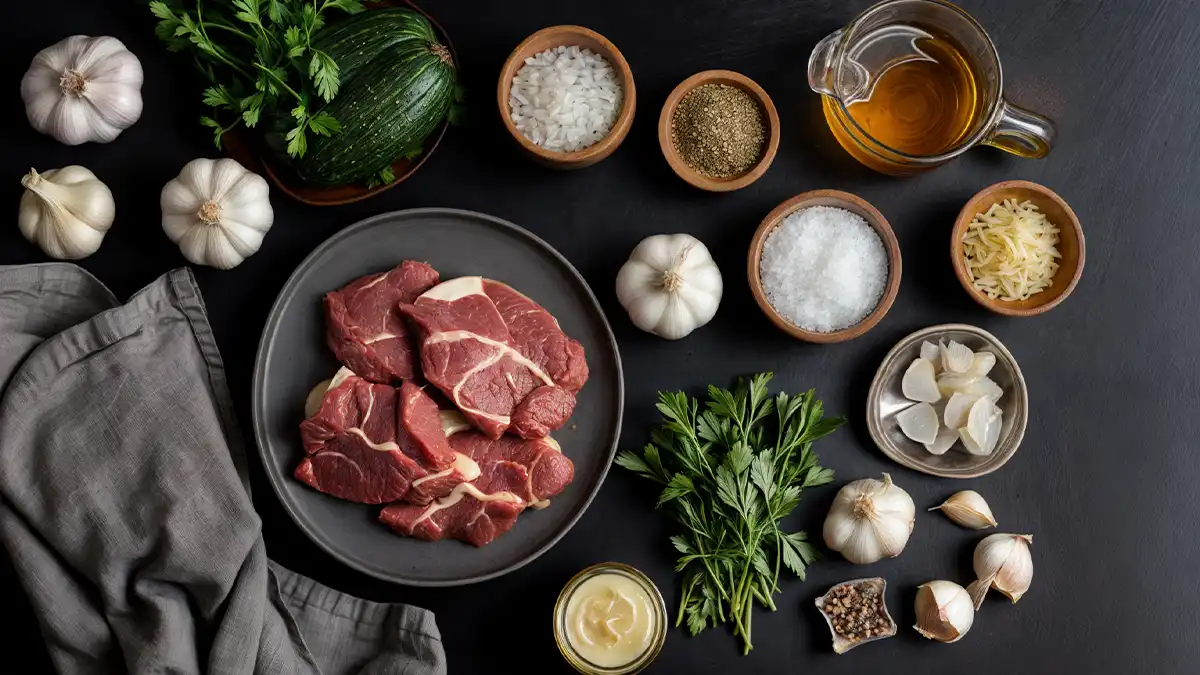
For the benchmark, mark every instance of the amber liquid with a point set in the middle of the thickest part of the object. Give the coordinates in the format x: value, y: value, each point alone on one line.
x: 920, y: 108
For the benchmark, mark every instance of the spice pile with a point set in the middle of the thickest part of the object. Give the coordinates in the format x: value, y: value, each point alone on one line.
x: 718, y: 130
x: 824, y: 268
x: 856, y: 613
x: 565, y: 99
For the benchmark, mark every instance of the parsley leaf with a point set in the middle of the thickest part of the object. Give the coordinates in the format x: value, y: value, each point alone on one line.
x: 324, y: 71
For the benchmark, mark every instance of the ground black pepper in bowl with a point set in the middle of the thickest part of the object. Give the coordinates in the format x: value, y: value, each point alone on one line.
x: 718, y: 130
x: 856, y: 613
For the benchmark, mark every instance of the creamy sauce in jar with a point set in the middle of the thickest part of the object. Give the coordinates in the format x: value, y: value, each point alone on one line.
x: 610, y: 620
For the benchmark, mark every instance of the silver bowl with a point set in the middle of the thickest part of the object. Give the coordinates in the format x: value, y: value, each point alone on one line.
x: 885, y: 400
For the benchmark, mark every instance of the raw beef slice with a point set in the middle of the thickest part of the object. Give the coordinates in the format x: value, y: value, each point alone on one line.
x: 363, y: 325
x: 514, y: 474
x: 374, y: 444
x: 498, y: 356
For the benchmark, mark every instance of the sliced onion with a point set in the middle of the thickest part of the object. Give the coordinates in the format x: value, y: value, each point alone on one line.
x: 956, y: 357
x: 919, y: 423
x: 919, y: 383
x: 946, y: 438
x: 982, y: 363
x: 957, y: 409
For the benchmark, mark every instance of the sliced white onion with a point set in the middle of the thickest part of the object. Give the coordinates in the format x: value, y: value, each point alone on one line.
x: 920, y: 383
x: 956, y: 357
x: 946, y: 438
x: 982, y: 363
x: 957, y: 409
x: 931, y: 353
x: 919, y: 423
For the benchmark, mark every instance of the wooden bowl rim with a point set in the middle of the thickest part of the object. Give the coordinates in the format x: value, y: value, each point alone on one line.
x: 967, y: 214
x: 877, y: 222
x: 621, y: 125
x: 312, y: 195
x: 694, y: 177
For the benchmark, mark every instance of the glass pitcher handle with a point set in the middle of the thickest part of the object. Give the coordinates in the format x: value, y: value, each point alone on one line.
x: 1021, y: 132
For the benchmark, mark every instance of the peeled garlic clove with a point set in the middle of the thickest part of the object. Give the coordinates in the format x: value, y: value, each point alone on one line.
x: 956, y: 357
x: 982, y: 363
x: 957, y: 409
x: 1003, y: 562
x: 995, y: 423
x: 944, y: 611
x: 983, y: 386
x: 920, y: 423
x: 968, y: 508
x: 946, y: 438
x: 953, y: 383
x: 931, y: 353
x: 920, y: 382
x: 978, y: 421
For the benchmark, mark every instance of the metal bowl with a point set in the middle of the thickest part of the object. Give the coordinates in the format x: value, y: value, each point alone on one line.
x: 885, y: 400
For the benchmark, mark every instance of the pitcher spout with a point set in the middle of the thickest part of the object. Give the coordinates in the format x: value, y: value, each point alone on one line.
x: 822, y: 65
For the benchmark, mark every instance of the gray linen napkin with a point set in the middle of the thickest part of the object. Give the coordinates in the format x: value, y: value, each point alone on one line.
x: 125, y: 506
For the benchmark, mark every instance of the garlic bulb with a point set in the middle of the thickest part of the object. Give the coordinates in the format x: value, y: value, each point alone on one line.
x: 65, y: 211
x: 870, y: 520
x: 83, y: 89
x: 1003, y: 562
x: 944, y: 611
x: 968, y: 508
x: 217, y: 211
x: 670, y: 286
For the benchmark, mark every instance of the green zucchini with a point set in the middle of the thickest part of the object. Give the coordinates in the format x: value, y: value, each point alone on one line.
x: 387, y: 109
x: 359, y: 39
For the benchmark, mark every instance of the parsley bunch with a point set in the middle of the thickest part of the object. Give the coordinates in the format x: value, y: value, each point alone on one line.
x: 731, y: 474
x: 258, y: 56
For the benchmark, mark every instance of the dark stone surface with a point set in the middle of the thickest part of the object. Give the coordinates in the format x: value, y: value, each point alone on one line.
x: 1105, y: 479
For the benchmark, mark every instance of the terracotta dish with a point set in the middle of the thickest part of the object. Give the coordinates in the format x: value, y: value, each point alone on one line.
x: 247, y: 147
x: 556, y: 36
x: 694, y: 177
x: 1070, y: 245
x: 841, y: 200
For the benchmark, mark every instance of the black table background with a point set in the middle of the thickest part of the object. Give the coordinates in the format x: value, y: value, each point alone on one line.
x: 1106, y: 476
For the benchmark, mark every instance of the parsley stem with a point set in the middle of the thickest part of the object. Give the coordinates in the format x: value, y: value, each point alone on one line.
x: 278, y: 80
x: 230, y: 29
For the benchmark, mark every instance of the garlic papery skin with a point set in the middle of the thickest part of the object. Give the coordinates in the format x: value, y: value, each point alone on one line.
x: 1003, y: 562
x: 870, y: 520
x: 83, y: 89
x: 944, y: 611
x: 670, y: 286
x: 968, y: 508
x: 66, y: 211
x: 217, y: 211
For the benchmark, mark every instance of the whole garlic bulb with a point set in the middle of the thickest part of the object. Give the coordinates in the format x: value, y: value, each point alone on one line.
x: 670, y: 286
x: 870, y: 520
x: 944, y: 611
x: 1003, y: 562
x: 83, y: 89
x: 65, y: 211
x: 217, y: 211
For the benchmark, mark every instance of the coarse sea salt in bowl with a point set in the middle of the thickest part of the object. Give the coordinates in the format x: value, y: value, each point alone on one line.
x: 823, y: 278
x: 574, y: 96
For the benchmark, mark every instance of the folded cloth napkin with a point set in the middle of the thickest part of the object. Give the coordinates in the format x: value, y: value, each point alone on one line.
x: 125, y: 506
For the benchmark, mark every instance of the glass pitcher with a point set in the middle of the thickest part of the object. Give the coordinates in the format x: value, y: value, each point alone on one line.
x: 910, y: 39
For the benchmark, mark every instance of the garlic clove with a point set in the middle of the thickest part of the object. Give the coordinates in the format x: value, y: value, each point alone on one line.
x: 995, y: 424
x: 919, y: 423
x: 944, y: 611
x: 978, y: 421
x: 956, y: 357
x: 954, y: 383
x: 931, y: 353
x: 982, y: 363
x: 957, y: 408
x: 984, y: 386
x: 968, y: 508
x: 945, y: 439
x: 920, y: 382
x: 1003, y: 562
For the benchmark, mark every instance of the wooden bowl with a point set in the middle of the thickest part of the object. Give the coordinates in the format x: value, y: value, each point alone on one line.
x: 1070, y: 245
x: 841, y: 200
x: 694, y: 177
x: 249, y: 149
x: 556, y: 36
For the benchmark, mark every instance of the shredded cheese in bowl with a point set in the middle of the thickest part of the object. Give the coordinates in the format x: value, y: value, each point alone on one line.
x: 1011, y: 251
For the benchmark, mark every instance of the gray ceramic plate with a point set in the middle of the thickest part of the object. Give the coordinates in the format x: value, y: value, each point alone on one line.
x: 885, y: 400
x: 292, y: 357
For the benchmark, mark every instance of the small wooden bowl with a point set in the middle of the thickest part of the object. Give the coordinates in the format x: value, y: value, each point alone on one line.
x: 694, y: 177
x: 841, y: 200
x: 1070, y: 245
x: 556, y: 36
x: 249, y: 149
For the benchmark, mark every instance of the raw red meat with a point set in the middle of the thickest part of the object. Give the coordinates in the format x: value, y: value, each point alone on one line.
x: 500, y: 357
x: 364, y: 328
x: 514, y: 474
x: 361, y: 448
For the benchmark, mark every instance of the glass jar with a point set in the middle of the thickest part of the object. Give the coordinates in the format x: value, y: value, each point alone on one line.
x: 658, y: 630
